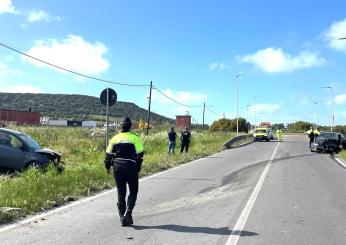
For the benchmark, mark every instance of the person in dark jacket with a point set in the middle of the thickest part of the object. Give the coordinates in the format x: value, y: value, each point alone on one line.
x: 171, y: 140
x: 125, y: 154
x: 311, y: 135
x: 185, y: 140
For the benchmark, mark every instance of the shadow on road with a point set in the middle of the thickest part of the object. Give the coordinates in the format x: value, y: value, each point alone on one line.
x: 191, y: 229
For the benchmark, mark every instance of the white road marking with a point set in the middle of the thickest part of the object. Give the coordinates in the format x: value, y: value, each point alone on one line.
x: 341, y: 162
x: 86, y: 199
x: 238, y: 228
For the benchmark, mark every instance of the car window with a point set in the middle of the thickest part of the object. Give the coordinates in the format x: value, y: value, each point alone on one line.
x: 5, y: 139
x: 30, y: 142
x: 261, y: 131
x: 16, y: 143
x: 10, y: 140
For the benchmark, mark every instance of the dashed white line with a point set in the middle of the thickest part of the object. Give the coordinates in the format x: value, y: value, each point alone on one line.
x: 236, y: 231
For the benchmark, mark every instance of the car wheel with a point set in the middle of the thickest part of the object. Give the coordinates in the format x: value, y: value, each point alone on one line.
x: 33, y: 164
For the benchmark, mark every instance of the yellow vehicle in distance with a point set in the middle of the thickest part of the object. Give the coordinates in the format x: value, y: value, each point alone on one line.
x: 261, y: 134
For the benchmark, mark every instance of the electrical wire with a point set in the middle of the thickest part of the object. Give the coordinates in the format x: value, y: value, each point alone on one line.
x: 219, y: 115
x: 70, y: 71
x: 103, y: 80
x: 162, y: 93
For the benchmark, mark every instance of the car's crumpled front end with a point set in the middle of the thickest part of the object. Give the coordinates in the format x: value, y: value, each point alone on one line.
x: 50, y: 154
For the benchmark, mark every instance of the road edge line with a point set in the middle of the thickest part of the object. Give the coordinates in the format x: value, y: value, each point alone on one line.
x: 239, y: 226
x: 340, y: 161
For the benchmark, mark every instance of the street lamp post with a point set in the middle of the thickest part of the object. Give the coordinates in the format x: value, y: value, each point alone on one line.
x: 247, y: 112
x: 247, y: 117
x: 316, y: 115
x: 255, y: 112
x: 331, y: 106
x: 237, y: 76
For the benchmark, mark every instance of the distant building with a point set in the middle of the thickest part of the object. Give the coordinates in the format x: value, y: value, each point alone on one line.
x: 183, y: 121
x: 72, y: 123
x: 20, y: 117
x: 265, y: 124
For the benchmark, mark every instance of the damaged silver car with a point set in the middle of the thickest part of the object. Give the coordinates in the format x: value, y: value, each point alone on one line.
x: 19, y: 151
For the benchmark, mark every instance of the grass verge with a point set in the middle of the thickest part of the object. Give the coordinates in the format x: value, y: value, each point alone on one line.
x: 84, y: 174
x: 342, y: 155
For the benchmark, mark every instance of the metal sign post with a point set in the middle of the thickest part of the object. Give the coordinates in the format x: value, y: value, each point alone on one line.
x: 107, y: 106
x: 108, y: 97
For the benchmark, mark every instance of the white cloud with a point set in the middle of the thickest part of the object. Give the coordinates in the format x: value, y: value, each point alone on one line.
x: 265, y: 108
x: 5, y: 70
x: 273, y: 60
x: 6, y: 6
x: 40, y: 15
x: 304, y: 101
x: 217, y: 65
x: 340, y: 99
x: 336, y: 30
x: 72, y: 53
x: 21, y: 89
x: 184, y: 97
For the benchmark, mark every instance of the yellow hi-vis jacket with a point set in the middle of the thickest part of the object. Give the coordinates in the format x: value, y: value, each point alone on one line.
x: 125, y: 147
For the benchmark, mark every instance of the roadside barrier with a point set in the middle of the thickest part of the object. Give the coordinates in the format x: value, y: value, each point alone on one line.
x: 238, y: 141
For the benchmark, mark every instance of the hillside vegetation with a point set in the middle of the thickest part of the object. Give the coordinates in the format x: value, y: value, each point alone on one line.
x: 72, y: 106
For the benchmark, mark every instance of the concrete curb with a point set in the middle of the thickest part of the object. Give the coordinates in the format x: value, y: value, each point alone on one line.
x: 244, y: 144
x: 340, y: 161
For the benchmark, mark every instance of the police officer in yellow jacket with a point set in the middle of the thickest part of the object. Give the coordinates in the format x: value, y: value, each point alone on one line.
x: 125, y: 154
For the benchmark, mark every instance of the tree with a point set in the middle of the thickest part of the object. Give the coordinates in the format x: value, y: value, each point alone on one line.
x: 225, y: 124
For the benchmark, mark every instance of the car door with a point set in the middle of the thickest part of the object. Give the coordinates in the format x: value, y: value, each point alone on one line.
x: 11, y: 154
x: 343, y: 141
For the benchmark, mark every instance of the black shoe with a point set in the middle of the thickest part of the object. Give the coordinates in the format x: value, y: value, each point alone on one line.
x: 127, y: 219
x: 124, y: 221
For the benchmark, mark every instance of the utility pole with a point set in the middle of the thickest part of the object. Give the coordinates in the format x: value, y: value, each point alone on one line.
x: 203, y: 113
x: 148, y: 122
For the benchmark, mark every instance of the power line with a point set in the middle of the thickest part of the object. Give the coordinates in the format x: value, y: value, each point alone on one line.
x: 70, y: 71
x: 100, y: 79
x: 162, y: 93
x: 213, y: 112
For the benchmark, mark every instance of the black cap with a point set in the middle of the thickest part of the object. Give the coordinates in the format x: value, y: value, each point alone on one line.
x: 125, y: 121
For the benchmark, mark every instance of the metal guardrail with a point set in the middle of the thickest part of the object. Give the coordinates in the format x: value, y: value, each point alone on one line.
x: 238, y: 141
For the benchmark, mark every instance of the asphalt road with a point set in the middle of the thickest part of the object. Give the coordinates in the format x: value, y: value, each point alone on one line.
x: 300, y: 200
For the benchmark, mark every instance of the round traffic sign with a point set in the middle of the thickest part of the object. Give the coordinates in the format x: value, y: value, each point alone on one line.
x: 112, y: 97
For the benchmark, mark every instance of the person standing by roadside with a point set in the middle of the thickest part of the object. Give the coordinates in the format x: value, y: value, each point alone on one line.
x: 185, y: 140
x: 311, y: 135
x: 172, y: 135
x: 279, y: 134
x: 125, y: 154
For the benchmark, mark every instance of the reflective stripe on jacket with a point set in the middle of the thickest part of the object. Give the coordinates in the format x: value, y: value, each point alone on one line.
x: 126, y: 146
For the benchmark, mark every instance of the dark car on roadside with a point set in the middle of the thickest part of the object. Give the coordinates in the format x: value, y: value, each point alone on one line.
x: 329, y: 142
x: 19, y: 151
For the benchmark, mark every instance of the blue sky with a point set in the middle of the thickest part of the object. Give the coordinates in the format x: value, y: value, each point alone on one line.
x: 191, y: 50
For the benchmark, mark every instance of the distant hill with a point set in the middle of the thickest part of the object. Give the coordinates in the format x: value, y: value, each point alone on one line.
x: 73, y: 106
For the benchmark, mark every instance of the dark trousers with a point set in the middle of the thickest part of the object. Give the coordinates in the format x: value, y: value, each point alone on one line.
x: 122, y: 177
x: 184, y: 145
x: 311, y: 141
